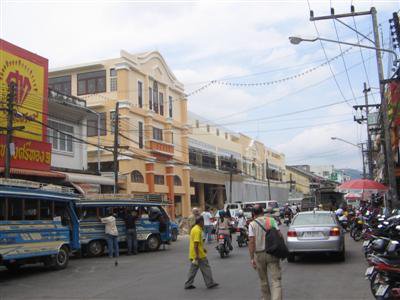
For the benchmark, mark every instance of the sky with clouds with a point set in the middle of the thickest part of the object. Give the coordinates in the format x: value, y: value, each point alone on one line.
x: 237, y: 42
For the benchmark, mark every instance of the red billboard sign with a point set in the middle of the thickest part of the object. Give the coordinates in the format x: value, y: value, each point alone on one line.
x: 29, y: 73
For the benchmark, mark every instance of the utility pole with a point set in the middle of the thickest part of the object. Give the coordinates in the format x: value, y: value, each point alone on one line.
x: 269, y: 183
x: 369, y: 145
x: 116, y: 135
x: 363, y: 160
x: 10, y: 119
x: 230, y: 179
x: 389, y: 163
x: 385, y: 121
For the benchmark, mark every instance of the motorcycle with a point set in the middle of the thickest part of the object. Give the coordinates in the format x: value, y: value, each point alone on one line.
x: 223, y: 246
x: 287, y: 220
x: 241, y: 238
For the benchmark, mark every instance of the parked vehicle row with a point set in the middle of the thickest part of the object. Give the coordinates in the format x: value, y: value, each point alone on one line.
x: 381, y: 247
x: 45, y: 223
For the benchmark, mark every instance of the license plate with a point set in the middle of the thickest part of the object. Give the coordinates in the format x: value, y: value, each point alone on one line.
x: 366, y: 243
x: 221, y: 241
x: 311, y: 234
x: 382, y: 290
x: 369, y: 271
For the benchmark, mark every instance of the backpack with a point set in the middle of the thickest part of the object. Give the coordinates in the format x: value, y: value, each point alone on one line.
x: 274, y: 242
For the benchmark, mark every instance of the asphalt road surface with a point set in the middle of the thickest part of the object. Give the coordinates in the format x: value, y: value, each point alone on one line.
x: 161, y: 275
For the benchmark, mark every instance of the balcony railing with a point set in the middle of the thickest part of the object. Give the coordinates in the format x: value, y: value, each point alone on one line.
x: 161, y: 148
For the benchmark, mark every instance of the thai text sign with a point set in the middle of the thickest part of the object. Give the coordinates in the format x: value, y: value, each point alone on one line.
x: 28, y: 154
x: 28, y: 72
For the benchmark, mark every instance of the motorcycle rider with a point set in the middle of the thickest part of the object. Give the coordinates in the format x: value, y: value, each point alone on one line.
x: 223, y: 228
x: 288, y: 213
x: 242, y: 222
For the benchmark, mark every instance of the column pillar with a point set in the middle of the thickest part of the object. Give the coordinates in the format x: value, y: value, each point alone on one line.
x: 186, y: 205
x: 148, y: 129
x: 220, y: 197
x: 169, y: 171
x: 168, y: 132
x: 202, y: 198
x: 122, y: 81
x: 150, y: 176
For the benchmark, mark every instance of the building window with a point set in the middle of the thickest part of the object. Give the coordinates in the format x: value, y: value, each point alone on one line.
x: 197, y: 124
x: 226, y: 135
x: 155, y: 97
x: 157, y: 134
x: 217, y: 132
x: 61, y: 84
x: 170, y: 106
x: 150, y: 98
x: 92, y: 125
x: 92, y: 82
x: 159, y: 179
x: 137, y: 177
x: 161, y: 98
x: 141, y: 135
x: 140, y: 94
x: 59, y: 135
x: 112, y: 121
x: 177, y: 180
x: 113, y: 80
x: 208, y: 128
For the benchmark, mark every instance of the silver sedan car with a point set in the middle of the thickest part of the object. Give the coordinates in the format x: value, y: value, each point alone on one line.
x: 315, y: 232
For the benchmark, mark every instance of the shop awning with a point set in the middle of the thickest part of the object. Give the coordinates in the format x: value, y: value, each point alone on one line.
x: 87, y: 178
x: 26, y: 172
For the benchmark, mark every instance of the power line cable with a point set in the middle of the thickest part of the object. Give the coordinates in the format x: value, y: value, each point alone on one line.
x: 326, y: 57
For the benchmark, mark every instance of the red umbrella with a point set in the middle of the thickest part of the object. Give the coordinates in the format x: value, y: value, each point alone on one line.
x: 352, y: 196
x: 362, y: 184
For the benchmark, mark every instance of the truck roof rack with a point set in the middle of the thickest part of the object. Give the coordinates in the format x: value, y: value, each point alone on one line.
x: 35, y: 185
x: 151, y: 198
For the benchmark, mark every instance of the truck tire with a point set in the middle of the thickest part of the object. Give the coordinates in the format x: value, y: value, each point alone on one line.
x: 61, y: 259
x: 153, y: 242
x: 95, y: 248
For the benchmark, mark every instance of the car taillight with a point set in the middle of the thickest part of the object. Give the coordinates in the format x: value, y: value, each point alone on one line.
x: 237, y: 229
x: 291, y: 233
x: 334, y: 231
x: 221, y: 236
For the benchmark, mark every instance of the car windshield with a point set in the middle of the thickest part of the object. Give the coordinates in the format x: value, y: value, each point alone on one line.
x: 273, y: 204
x: 313, y: 219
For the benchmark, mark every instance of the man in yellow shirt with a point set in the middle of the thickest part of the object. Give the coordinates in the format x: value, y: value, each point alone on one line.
x: 198, y: 257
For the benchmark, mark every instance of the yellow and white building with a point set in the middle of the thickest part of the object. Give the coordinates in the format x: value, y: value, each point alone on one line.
x: 213, y: 149
x: 153, y: 125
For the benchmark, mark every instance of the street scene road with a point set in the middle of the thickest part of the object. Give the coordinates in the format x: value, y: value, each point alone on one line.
x: 161, y: 275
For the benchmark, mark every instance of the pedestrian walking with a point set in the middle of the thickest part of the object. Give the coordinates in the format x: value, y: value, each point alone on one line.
x: 131, y: 234
x: 208, y: 226
x: 193, y: 216
x: 198, y: 257
x: 111, y: 235
x: 265, y: 264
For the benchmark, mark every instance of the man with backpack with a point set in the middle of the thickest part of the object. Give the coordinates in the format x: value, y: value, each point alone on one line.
x: 265, y: 263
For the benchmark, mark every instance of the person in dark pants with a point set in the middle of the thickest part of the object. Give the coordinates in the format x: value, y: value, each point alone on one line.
x: 131, y: 235
x: 198, y: 257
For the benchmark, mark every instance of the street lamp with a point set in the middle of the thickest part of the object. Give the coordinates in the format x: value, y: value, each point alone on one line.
x: 340, y: 139
x: 359, y: 146
x: 389, y: 161
x: 295, y: 40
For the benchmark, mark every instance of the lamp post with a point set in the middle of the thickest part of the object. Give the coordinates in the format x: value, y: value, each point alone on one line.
x: 359, y: 146
x: 389, y: 161
x: 295, y: 40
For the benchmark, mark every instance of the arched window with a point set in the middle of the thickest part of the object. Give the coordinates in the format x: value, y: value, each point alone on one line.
x: 177, y: 180
x: 136, y: 176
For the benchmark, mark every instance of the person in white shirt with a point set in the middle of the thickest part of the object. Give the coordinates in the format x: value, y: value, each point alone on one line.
x: 111, y: 234
x: 208, y: 226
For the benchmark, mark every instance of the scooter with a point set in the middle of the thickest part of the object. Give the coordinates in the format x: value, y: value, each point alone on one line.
x: 241, y: 237
x: 223, y: 247
x: 286, y: 220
